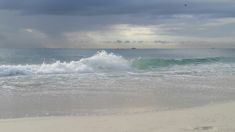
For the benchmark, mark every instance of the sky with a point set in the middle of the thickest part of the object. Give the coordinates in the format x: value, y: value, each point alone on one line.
x: 117, y: 23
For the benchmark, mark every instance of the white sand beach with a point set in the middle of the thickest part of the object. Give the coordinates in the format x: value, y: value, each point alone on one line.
x: 210, y: 118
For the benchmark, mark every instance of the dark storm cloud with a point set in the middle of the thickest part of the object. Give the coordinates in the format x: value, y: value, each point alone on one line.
x: 119, y: 7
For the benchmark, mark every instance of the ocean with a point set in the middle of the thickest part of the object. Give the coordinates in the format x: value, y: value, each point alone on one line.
x: 68, y: 82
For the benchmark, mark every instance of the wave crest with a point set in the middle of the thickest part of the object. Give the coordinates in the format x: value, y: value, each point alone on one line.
x: 101, y: 61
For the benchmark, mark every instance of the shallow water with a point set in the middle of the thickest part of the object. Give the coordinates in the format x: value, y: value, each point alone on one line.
x: 46, y: 82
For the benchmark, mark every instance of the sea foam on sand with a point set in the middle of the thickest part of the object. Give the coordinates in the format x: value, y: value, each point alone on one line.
x: 210, y: 118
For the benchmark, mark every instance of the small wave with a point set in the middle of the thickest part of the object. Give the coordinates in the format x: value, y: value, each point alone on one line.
x: 154, y: 63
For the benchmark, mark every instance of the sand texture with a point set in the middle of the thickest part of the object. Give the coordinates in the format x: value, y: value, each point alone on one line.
x: 210, y: 118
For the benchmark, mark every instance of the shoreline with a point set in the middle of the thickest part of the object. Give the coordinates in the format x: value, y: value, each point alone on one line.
x: 209, y: 118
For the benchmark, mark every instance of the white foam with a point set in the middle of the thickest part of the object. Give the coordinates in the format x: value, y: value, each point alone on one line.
x: 101, y: 61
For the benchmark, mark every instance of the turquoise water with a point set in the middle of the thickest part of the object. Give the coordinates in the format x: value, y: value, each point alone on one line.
x: 47, y: 82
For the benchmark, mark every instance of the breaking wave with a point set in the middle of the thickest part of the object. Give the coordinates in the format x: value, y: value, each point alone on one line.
x: 100, y: 62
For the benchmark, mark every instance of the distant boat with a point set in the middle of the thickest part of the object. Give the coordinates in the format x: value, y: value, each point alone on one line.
x: 133, y: 48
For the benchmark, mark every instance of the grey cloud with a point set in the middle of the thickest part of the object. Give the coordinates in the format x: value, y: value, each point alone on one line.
x: 57, y: 16
x: 54, y: 18
x: 2, y: 37
x: 119, y: 7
